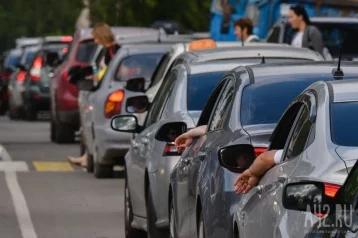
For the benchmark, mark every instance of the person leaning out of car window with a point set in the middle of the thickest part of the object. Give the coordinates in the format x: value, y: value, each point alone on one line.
x: 244, y: 30
x: 307, y: 35
x: 250, y: 177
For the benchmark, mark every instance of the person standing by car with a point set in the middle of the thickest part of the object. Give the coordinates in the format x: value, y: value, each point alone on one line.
x: 102, y: 35
x: 307, y: 35
x: 244, y: 30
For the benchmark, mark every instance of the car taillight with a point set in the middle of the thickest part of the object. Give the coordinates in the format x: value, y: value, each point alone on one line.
x: 35, y: 72
x: 170, y: 149
x: 331, y: 189
x: 113, y: 104
x: 259, y: 151
x: 66, y: 38
x: 21, y: 76
x: 64, y: 50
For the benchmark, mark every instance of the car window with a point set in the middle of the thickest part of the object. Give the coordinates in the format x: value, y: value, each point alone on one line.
x: 11, y: 61
x: 222, y: 107
x: 138, y: 66
x: 344, y: 128
x: 203, y: 85
x: 160, y: 99
x: 162, y: 65
x: 85, y: 50
x: 299, y: 135
x: 274, y: 37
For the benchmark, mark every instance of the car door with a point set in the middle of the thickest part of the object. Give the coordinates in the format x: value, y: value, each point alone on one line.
x: 273, y: 211
x: 204, y: 184
x: 182, y: 208
x: 137, y: 158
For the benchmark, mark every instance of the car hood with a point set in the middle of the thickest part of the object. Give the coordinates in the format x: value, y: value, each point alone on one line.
x: 348, y: 154
x: 260, y: 134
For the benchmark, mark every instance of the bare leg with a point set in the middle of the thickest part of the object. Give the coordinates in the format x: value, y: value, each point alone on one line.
x: 79, y: 160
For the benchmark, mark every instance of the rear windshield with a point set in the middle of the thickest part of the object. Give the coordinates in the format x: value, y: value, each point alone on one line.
x: 138, y: 66
x: 85, y: 50
x: 12, y: 61
x: 344, y: 126
x: 29, y: 57
x: 265, y: 102
x: 335, y: 35
x: 200, y: 87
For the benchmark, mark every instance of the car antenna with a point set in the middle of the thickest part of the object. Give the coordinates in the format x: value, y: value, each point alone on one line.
x: 263, y: 60
x: 338, y: 73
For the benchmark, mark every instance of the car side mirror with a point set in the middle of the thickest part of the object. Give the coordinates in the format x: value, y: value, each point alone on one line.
x: 305, y: 196
x: 136, y: 85
x: 125, y: 123
x: 237, y: 158
x: 138, y: 104
x: 170, y: 131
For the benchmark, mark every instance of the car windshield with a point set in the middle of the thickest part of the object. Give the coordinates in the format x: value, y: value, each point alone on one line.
x: 335, y: 35
x: 343, y: 127
x: 138, y: 66
x: 203, y: 85
x: 265, y: 102
x: 85, y: 50
x: 12, y: 61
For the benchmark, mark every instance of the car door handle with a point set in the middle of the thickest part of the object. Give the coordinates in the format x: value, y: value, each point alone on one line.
x: 282, y: 178
x: 259, y: 189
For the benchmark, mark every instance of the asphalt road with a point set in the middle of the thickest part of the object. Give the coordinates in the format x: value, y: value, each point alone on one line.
x: 43, y: 196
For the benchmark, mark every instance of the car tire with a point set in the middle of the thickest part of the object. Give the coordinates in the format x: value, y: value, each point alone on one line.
x: 201, y: 226
x: 64, y: 134
x: 152, y: 230
x: 90, y: 163
x: 130, y: 232
x: 82, y: 146
x: 30, y: 113
x: 52, y: 131
x: 103, y: 170
x: 172, y: 224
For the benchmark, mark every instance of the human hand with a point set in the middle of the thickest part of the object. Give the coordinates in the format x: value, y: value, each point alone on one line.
x: 245, y: 182
x: 183, y: 141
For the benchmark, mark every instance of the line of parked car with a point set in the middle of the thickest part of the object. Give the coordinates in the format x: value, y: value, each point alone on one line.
x: 252, y: 98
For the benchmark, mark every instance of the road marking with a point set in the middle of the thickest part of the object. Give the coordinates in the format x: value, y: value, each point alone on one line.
x: 3, y: 154
x: 13, y: 166
x: 42, y: 166
x: 21, y: 209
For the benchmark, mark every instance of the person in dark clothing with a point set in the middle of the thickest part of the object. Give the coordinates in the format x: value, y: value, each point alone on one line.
x: 244, y: 30
x: 307, y: 35
x: 102, y: 35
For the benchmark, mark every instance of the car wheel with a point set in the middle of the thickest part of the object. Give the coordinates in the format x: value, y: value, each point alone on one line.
x: 64, y: 133
x: 30, y: 113
x: 172, y: 224
x: 103, y: 170
x: 90, y: 163
x: 53, y: 131
x: 201, y: 227
x: 152, y: 230
x: 128, y: 215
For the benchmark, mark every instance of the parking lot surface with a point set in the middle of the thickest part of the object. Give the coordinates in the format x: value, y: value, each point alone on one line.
x: 43, y: 196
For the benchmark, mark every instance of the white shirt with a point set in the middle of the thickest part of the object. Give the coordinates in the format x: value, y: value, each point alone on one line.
x: 277, y: 157
x: 250, y: 38
x: 297, y: 40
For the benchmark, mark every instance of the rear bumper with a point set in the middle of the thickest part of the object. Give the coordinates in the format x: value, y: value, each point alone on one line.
x: 40, y: 101
x: 111, y: 145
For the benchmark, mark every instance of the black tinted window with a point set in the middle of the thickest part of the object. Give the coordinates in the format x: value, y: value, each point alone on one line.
x: 200, y: 87
x: 344, y: 126
x: 138, y: 66
x: 265, y: 102
x: 85, y: 50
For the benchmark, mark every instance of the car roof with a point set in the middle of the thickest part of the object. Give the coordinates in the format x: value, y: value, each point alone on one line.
x: 260, y: 72
x: 344, y: 90
x: 120, y: 32
x: 334, y: 20
x: 210, y: 67
x: 251, y: 51
x: 147, y: 48
x: 14, y: 52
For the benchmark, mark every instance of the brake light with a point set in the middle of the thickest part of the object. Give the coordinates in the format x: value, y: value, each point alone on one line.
x: 331, y: 189
x: 113, y: 104
x: 65, y: 50
x: 66, y: 38
x: 35, y: 72
x: 21, y: 76
x: 259, y: 151
x: 170, y: 149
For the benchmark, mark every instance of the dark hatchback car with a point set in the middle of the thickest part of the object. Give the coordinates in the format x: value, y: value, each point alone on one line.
x: 336, y: 32
x: 242, y: 111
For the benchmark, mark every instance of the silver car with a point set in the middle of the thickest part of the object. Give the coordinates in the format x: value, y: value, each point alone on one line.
x: 319, y: 143
x: 152, y: 154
